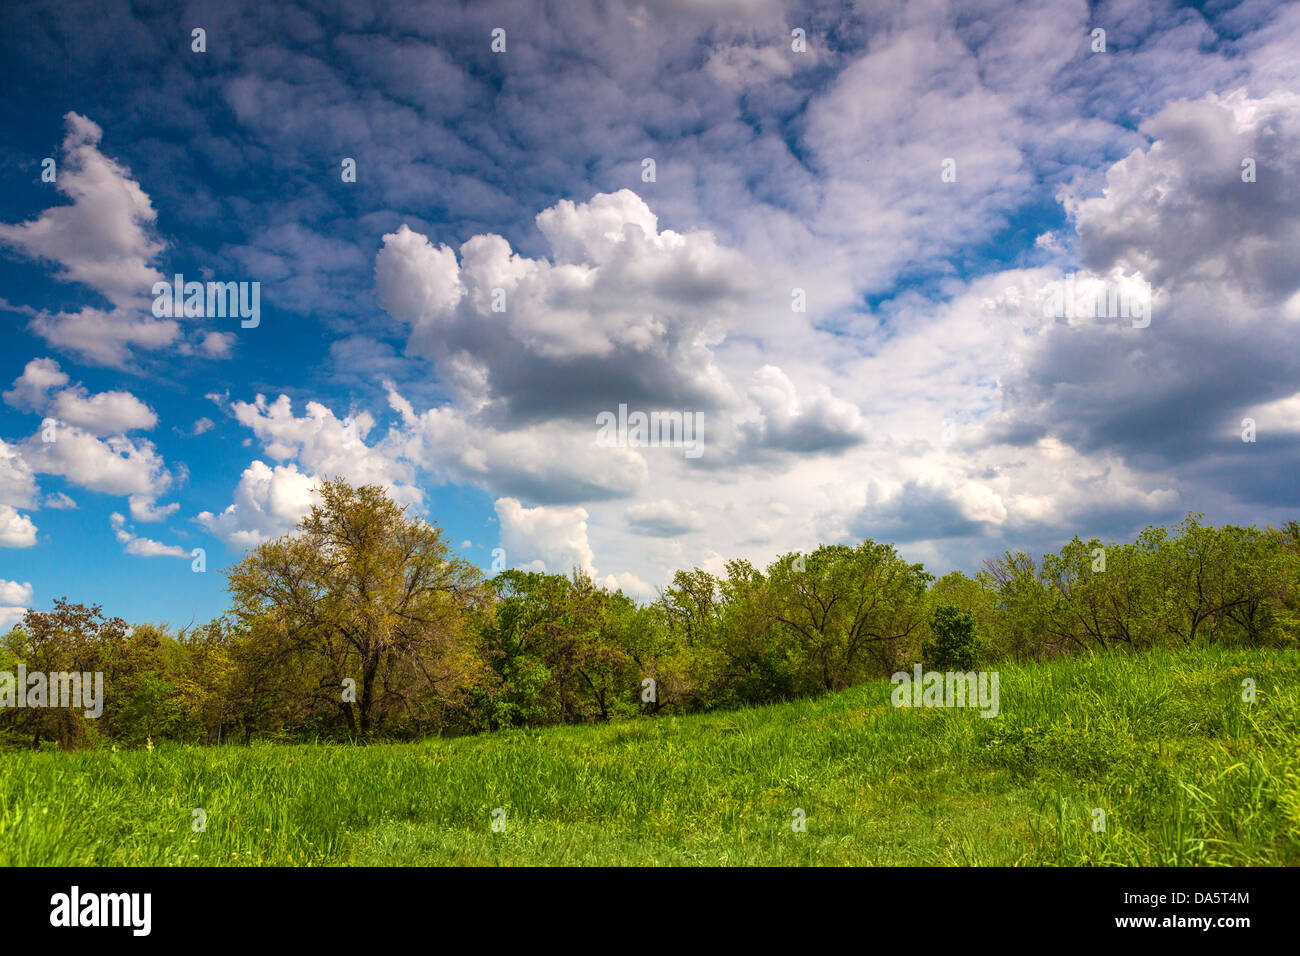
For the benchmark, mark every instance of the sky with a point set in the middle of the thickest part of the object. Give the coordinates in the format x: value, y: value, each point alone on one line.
x: 961, y: 277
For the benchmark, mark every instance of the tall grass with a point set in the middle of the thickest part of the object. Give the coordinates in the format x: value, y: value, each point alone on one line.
x: 1185, y: 771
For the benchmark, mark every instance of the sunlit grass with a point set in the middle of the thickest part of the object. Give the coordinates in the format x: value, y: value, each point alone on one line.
x: 1185, y: 771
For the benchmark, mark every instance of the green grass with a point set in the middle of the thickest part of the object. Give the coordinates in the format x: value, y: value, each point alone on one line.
x: 1186, y: 773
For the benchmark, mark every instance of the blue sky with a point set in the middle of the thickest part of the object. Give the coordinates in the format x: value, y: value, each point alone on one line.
x: 923, y: 395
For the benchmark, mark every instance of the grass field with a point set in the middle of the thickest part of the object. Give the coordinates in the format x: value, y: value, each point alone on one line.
x: 1186, y: 773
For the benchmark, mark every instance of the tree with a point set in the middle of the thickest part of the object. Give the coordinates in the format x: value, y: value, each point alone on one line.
x: 365, y: 594
x: 205, y: 681
x: 692, y: 605
x: 70, y: 638
x: 848, y: 608
x: 1020, y: 607
x: 953, y: 647
x: 1208, y: 578
x: 561, y: 647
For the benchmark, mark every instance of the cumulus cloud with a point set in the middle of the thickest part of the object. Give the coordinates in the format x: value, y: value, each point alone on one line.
x: 269, y: 502
x: 819, y: 423
x: 142, y: 547
x: 554, y: 538
x: 16, y: 530
x: 103, y: 239
x: 552, y: 463
x: 17, y: 483
x: 43, y: 388
x: 10, y: 617
x: 15, y: 592
x: 1220, y: 253
x: 83, y: 440
x: 17, y: 490
x: 106, y: 413
x: 323, y: 444
x: 1180, y: 210
x: 623, y: 312
x: 31, y: 390
x: 217, y: 345
x: 115, y: 465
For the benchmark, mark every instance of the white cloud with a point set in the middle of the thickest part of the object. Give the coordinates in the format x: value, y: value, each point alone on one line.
x: 556, y: 537
x: 1179, y: 211
x: 17, y: 484
x: 143, y: 547
x: 820, y: 422
x: 146, y: 509
x: 631, y: 585
x: 269, y: 501
x: 624, y: 312
x: 59, y: 502
x: 550, y: 463
x: 31, y: 389
x: 17, y: 490
x: 16, y: 530
x: 102, y: 239
x: 14, y: 592
x: 217, y: 345
x: 417, y: 281
x: 80, y: 452
x: 106, y: 413
x: 326, y: 445
x: 115, y: 465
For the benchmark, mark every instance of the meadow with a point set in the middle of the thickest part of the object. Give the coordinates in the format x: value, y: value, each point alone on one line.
x: 1186, y: 772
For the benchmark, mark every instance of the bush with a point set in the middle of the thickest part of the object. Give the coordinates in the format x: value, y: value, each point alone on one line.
x: 953, y: 647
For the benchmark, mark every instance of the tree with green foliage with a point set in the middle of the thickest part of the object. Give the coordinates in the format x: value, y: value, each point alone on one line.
x: 849, y: 610
x: 953, y: 646
x: 559, y: 648
x: 70, y: 638
x: 367, y: 598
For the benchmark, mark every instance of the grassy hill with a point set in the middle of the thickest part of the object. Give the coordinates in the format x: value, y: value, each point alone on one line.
x: 1186, y: 772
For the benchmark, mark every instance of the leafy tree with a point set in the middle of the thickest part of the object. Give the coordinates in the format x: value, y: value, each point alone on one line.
x: 205, y: 681
x: 849, y: 610
x: 692, y: 605
x: 559, y: 647
x: 363, y: 593
x: 1020, y: 607
x: 70, y: 638
x: 953, y: 647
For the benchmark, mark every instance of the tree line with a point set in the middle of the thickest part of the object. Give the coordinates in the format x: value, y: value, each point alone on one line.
x: 364, y: 623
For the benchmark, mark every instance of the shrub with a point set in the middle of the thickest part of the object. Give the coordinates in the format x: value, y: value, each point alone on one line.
x: 953, y: 647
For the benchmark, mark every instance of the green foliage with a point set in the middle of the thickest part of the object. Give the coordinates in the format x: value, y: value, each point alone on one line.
x: 1170, y: 588
x: 364, y: 623
x: 363, y: 613
x: 954, y: 646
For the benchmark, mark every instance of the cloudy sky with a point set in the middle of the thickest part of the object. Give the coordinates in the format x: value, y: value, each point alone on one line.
x: 832, y: 233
